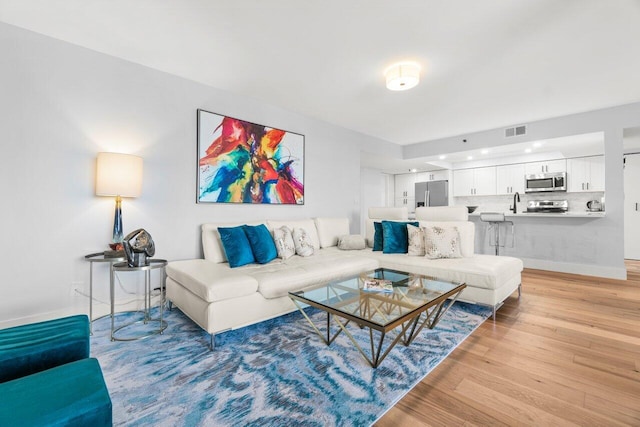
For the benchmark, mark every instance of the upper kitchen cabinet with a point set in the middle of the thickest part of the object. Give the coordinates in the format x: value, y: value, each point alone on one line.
x: 474, y: 182
x: 510, y: 179
x: 439, y: 175
x: 545, y: 167
x: 585, y: 174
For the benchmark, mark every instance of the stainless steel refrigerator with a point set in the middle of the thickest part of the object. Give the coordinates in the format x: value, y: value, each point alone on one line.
x: 432, y: 193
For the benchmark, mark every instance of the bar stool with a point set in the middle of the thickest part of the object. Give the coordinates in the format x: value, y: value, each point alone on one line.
x: 496, y: 222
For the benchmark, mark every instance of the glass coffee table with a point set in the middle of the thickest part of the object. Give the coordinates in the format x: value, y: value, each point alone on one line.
x: 411, y: 302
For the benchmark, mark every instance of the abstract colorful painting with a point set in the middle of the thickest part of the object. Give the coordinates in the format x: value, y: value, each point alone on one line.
x: 244, y: 162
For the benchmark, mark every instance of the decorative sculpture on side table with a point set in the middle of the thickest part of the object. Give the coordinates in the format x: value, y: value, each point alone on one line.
x: 140, y: 250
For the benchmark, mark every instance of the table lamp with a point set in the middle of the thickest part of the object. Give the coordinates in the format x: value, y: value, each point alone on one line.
x: 118, y: 175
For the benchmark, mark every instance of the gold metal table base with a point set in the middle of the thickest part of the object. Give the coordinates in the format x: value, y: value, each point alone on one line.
x: 409, y: 329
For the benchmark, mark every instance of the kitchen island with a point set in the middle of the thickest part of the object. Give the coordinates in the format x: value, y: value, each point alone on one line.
x: 566, y: 242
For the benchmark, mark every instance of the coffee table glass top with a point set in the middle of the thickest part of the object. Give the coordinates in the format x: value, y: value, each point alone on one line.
x: 348, y: 297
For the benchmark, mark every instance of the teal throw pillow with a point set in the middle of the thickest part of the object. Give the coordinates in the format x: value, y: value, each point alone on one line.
x: 377, y: 236
x: 395, y: 238
x: 236, y: 246
x: 262, y: 244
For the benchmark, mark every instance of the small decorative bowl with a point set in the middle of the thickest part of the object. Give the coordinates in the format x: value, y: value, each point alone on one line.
x: 472, y: 209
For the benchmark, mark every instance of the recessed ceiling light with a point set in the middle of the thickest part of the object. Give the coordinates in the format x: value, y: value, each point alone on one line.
x: 413, y: 170
x: 527, y: 150
x: 537, y: 144
x: 469, y: 157
x: 402, y: 76
x: 442, y: 157
x: 485, y: 151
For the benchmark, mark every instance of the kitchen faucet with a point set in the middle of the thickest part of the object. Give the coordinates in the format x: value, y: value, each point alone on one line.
x: 516, y: 197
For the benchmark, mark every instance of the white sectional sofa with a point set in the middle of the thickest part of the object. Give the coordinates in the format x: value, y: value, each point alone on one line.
x: 220, y: 298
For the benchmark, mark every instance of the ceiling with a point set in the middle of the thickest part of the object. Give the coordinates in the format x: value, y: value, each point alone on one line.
x: 485, y: 64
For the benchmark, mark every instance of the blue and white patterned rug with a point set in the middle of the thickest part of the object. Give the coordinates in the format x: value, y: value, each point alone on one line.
x: 275, y: 373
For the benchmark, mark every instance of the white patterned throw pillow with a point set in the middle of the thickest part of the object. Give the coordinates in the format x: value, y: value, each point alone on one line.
x: 302, y: 242
x: 283, y: 239
x: 442, y: 242
x: 416, y: 240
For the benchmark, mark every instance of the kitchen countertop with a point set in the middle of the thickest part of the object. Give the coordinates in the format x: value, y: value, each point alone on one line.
x: 570, y: 214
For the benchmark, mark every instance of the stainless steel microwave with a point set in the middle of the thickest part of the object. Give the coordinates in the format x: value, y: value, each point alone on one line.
x: 540, y: 182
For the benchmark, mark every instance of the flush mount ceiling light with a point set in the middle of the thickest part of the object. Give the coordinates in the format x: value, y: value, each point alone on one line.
x: 402, y: 76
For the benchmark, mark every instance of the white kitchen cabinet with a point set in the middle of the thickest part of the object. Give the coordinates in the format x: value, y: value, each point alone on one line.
x: 439, y: 175
x: 406, y: 202
x: 546, y: 167
x: 510, y: 179
x: 405, y: 190
x: 632, y: 207
x: 474, y: 182
x: 405, y: 185
x: 585, y: 174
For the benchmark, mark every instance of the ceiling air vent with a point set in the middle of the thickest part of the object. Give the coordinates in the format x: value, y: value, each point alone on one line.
x: 515, y: 131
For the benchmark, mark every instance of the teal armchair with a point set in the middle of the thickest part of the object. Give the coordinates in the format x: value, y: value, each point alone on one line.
x: 47, y: 377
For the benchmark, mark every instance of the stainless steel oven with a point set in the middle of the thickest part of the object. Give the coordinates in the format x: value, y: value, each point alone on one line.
x: 536, y: 183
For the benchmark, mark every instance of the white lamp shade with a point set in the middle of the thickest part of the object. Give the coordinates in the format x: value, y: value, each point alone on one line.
x: 402, y: 76
x: 118, y: 175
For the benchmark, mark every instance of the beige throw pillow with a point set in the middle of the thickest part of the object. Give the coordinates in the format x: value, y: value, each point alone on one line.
x: 302, y: 242
x: 283, y: 239
x: 442, y: 242
x: 416, y: 240
x: 350, y: 242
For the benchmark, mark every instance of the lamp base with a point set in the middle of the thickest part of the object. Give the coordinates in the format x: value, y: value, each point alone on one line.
x: 117, y: 221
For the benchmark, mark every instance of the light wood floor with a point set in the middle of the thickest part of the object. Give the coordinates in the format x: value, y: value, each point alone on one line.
x: 567, y: 353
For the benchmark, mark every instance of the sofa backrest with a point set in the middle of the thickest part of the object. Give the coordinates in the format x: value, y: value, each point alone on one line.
x: 329, y: 229
x: 323, y: 232
x: 383, y: 213
x: 442, y: 213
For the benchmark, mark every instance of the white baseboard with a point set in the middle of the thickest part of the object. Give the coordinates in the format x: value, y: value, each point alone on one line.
x: 78, y: 307
x: 39, y: 317
x: 584, y: 269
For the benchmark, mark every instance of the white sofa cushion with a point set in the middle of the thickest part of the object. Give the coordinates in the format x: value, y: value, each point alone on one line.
x: 307, y: 224
x: 442, y: 213
x: 389, y: 213
x: 211, y: 243
x: 212, y: 281
x: 329, y: 229
x: 467, y: 230
x: 277, y: 279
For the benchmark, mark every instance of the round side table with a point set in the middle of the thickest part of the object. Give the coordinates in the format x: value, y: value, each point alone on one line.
x: 100, y: 258
x: 154, y: 264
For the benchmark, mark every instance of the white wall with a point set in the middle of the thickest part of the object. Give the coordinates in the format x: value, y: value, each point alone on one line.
x: 61, y: 104
x: 373, y: 192
x: 606, y: 234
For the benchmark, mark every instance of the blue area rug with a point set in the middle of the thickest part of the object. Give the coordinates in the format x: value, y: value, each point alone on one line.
x: 275, y: 373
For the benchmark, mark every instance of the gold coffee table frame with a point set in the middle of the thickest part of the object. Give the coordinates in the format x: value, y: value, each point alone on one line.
x: 416, y: 301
